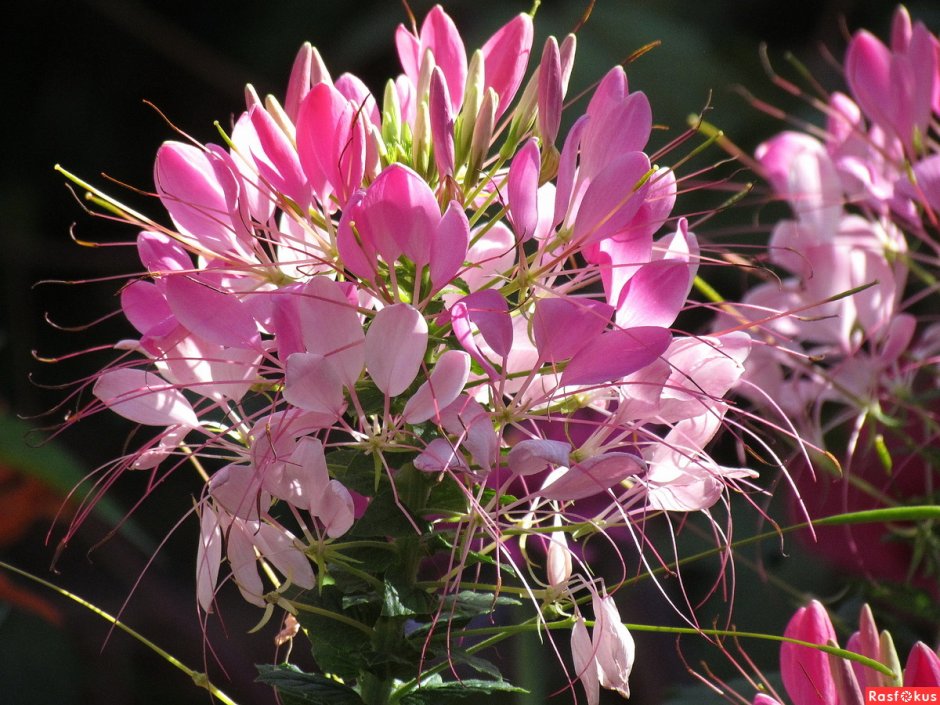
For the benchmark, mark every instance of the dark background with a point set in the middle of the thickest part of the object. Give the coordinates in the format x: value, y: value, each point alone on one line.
x: 75, y: 77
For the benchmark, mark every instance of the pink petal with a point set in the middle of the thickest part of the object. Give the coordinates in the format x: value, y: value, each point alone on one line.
x: 308, y: 70
x: 922, y: 667
x: 336, y: 509
x: 399, y: 215
x: 551, y: 92
x: 449, y: 246
x: 562, y: 326
x: 471, y: 424
x: 442, y: 124
x: 522, y: 189
x: 277, y: 161
x: 161, y: 254
x: 444, y: 384
x: 505, y: 57
x: 237, y: 489
x: 330, y: 143
x: 592, y: 476
x: 440, y: 35
x: 145, y: 306
x: 490, y: 312
x: 615, y: 354
x: 655, y: 295
x: 144, y: 398
x: 806, y: 672
x: 217, y: 316
x: 626, y: 123
x: 396, y: 343
x: 612, y: 199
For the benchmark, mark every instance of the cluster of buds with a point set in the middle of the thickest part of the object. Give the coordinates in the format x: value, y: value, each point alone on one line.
x: 423, y: 313
x: 814, y: 677
x: 842, y: 352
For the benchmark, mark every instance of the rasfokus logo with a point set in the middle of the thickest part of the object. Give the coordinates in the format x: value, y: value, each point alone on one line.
x: 902, y: 694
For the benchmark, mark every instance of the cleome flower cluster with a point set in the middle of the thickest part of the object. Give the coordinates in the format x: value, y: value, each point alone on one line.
x: 416, y: 343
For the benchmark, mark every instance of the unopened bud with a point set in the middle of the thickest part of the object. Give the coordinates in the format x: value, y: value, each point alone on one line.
x: 391, y: 115
x: 523, y: 117
x: 472, y: 101
x: 482, y: 135
x: 421, y: 140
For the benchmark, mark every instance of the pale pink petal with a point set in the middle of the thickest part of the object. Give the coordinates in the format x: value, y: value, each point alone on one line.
x: 336, y: 509
x: 243, y: 562
x: 626, y: 123
x: 238, y: 489
x: 592, y: 476
x: 311, y: 382
x: 278, y: 546
x: 395, y: 345
x: 330, y: 327
x: 614, y: 648
x: 615, y: 354
x: 208, y: 557
x: 144, y: 398
x: 440, y: 456
x: 444, y: 384
x: 536, y: 454
x: 585, y: 664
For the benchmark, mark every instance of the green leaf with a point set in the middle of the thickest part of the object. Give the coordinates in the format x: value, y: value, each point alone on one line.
x: 337, y: 648
x: 297, y: 688
x: 468, y: 603
x: 353, y: 468
x: 405, y: 603
x: 435, y: 693
x: 383, y: 517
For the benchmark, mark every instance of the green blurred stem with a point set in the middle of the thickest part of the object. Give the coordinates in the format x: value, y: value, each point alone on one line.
x: 199, y: 678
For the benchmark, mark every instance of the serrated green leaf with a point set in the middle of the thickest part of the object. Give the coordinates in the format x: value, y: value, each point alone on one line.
x: 296, y: 687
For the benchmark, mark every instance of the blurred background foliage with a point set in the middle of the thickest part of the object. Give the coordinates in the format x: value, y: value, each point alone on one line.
x: 77, y: 76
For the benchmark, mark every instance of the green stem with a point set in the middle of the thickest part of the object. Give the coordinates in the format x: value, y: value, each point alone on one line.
x: 199, y: 678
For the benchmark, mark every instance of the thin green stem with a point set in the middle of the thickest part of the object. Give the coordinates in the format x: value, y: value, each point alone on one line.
x: 199, y: 678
